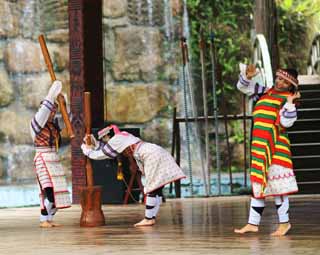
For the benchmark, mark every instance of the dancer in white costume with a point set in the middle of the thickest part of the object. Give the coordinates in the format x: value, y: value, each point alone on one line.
x: 45, y: 134
x: 155, y: 163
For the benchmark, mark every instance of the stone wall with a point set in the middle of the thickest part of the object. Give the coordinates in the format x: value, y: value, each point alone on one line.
x: 141, y: 45
x: 24, y: 80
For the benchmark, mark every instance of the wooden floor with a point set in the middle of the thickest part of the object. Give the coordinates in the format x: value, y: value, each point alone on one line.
x: 186, y: 226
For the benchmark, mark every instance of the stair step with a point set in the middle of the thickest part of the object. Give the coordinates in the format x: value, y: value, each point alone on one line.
x: 310, y: 176
x: 304, y: 144
x: 308, y: 113
x: 313, y: 93
x: 303, y: 124
x: 307, y: 90
x: 304, y: 136
x: 309, y: 187
x: 311, y: 182
x: 306, y: 169
x: 305, y: 150
x: 310, y: 161
x: 308, y: 103
x: 306, y: 157
x: 308, y: 80
x: 307, y: 87
x: 304, y: 131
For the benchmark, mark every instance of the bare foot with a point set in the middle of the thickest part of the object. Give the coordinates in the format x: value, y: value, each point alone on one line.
x: 247, y: 228
x: 55, y: 224
x: 145, y: 222
x: 45, y: 224
x: 282, y: 229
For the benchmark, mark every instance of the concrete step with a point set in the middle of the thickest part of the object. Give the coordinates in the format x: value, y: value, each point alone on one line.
x: 308, y: 113
x: 312, y: 93
x: 306, y: 161
x: 306, y: 124
x: 309, y: 187
x: 309, y: 79
x: 304, y: 136
x: 308, y: 103
x: 308, y: 176
x: 305, y: 149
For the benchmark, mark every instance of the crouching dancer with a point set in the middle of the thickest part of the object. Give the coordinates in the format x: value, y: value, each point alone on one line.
x: 155, y: 163
x: 45, y: 133
x: 271, y: 165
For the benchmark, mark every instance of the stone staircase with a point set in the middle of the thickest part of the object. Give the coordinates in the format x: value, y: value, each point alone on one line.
x: 305, y: 136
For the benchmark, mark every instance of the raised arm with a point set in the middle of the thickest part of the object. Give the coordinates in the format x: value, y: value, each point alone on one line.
x: 248, y: 86
x: 47, y: 106
x: 288, y: 113
x: 103, y: 151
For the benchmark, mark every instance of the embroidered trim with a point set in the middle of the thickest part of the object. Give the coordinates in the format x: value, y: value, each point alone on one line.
x: 282, y: 176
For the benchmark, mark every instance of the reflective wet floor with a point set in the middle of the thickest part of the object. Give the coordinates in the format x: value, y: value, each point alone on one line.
x: 186, y: 226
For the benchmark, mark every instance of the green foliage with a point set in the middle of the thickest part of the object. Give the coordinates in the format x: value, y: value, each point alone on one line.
x: 230, y: 21
x: 231, y: 26
x: 294, y: 18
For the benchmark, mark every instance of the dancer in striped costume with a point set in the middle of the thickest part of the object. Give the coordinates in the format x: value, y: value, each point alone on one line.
x: 271, y: 166
x: 45, y: 134
x: 155, y: 163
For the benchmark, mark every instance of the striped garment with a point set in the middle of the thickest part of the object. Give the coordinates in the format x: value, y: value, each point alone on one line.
x: 270, y: 143
x: 46, y: 135
x: 50, y: 173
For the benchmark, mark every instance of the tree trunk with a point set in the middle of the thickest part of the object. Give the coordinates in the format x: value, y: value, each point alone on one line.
x: 265, y: 22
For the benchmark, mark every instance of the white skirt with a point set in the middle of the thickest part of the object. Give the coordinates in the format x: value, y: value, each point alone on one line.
x: 50, y: 173
x: 158, y: 166
x: 281, y: 181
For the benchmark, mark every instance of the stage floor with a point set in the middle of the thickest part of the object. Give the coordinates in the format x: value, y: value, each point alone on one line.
x: 186, y: 226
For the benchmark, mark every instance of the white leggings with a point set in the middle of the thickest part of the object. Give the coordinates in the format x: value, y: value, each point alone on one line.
x: 257, y: 207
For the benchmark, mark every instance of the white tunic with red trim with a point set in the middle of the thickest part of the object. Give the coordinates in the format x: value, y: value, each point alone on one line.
x: 47, y: 164
x: 158, y: 166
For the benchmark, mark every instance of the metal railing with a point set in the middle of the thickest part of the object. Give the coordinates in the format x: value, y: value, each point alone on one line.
x: 261, y: 58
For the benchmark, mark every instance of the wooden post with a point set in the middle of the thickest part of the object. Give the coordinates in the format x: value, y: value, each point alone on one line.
x: 87, y: 121
x: 177, y: 184
x: 90, y: 196
x: 173, y: 143
x: 265, y: 21
x: 86, y: 74
x: 60, y: 98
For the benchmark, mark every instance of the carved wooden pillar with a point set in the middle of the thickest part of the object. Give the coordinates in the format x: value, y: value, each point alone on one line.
x: 86, y: 74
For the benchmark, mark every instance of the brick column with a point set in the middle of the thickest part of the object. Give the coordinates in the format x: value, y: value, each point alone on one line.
x: 86, y: 74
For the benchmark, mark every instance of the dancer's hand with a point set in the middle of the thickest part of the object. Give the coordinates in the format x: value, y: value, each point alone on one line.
x: 251, y: 71
x: 86, y: 149
x: 291, y: 98
x: 89, y: 138
x: 54, y: 90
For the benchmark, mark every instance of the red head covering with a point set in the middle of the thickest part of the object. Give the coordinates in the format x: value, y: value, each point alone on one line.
x: 290, y: 75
